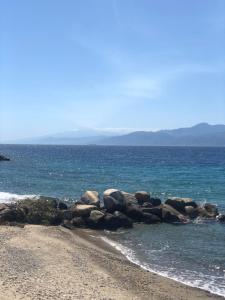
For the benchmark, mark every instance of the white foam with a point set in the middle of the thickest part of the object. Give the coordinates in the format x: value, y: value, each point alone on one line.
x: 198, y: 283
x: 9, y: 197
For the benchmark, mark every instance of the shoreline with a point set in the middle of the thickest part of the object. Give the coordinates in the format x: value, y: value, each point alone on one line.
x: 44, y: 262
x: 114, y: 247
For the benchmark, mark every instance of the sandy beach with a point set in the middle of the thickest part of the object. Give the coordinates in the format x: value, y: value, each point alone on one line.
x: 40, y: 262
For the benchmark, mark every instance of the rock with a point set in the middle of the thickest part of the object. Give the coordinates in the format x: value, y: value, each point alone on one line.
x: 2, y: 158
x: 96, y: 219
x: 157, y: 211
x: 62, y: 206
x: 116, y: 220
x: 3, y: 206
x: 41, y: 211
x: 167, y: 217
x: 82, y: 210
x: 116, y: 194
x: 211, y: 209
x: 122, y: 220
x: 180, y: 203
x: 147, y: 205
x: 50, y: 201
x: 220, y: 218
x: 67, y: 214
x: 150, y: 218
x: 12, y: 214
x: 110, y: 222
x: 142, y: 197
x: 191, y: 212
x: 111, y: 204
x: 90, y: 197
x: 171, y: 215
x: 155, y: 201
x: 67, y: 224
x: 129, y: 198
x: 134, y: 212
x: 78, y: 222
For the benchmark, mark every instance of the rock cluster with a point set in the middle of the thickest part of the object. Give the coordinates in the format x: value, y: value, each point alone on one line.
x: 115, y: 210
x: 2, y: 157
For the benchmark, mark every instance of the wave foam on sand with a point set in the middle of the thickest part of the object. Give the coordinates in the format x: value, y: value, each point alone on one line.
x: 131, y: 256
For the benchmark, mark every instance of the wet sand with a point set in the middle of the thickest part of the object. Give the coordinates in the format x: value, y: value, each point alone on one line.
x: 38, y: 262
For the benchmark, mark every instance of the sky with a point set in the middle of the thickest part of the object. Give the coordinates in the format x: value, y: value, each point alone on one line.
x: 110, y: 64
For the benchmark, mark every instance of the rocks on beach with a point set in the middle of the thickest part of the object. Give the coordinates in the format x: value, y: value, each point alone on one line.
x: 116, y: 209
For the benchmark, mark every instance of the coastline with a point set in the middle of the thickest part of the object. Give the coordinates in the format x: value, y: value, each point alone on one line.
x: 39, y: 262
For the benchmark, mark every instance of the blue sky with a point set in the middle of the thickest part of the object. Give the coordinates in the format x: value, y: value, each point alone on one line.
x: 137, y: 64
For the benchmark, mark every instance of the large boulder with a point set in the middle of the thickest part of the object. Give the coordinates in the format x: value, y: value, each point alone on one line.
x: 122, y: 220
x: 111, y: 204
x: 116, y: 194
x: 96, y: 219
x: 134, y: 212
x: 150, y: 218
x: 155, y: 201
x: 180, y: 203
x: 157, y: 211
x: 62, y: 205
x: 116, y: 220
x: 41, y: 211
x: 142, y: 197
x: 129, y: 199
x: 171, y: 215
x: 208, y: 211
x: 67, y: 224
x: 12, y: 213
x: 82, y: 210
x: 78, y: 222
x: 211, y: 209
x: 191, y: 212
x: 2, y: 158
x: 90, y: 197
x: 110, y: 222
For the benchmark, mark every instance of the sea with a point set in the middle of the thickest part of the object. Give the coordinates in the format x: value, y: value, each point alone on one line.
x: 193, y: 253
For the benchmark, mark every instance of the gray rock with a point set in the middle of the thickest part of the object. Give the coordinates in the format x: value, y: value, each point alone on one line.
x: 110, y: 222
x: 135, y: 213
x: 220, y: 218
x: 67, y: 224
x: 82, y: 210
x: 78, y: 222
x: 96, y: 219
x: 191, y: 212
x: 142, y: 197
x: 155, y: 201
x: 116, y: 194
x: 157, y: 211
x: 90, y: 197
x: 2, y: 158
x: 111, y: 204
x: 62, y: 206
x: 211, y: 209
x: 150, y: 218
x: 122, y: 220
x: 180, y: 203
x: 129, y: 199
x: 171, y: 215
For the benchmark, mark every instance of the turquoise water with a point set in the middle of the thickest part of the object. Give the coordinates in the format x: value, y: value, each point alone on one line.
x: 194, y: 254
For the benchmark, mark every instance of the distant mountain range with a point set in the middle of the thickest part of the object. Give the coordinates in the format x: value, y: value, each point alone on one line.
x: 202, y: 134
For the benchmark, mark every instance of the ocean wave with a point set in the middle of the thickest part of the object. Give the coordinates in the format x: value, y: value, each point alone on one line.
x: 10, y: 197
x: 195, y: 282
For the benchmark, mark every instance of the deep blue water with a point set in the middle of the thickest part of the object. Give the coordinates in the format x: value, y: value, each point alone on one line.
x: 193, y: 253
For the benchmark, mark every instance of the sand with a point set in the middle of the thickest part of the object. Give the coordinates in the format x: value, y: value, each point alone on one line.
x: 38, y: 262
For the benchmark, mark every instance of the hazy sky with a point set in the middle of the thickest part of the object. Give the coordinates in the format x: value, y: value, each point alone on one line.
x: 147, y: 64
